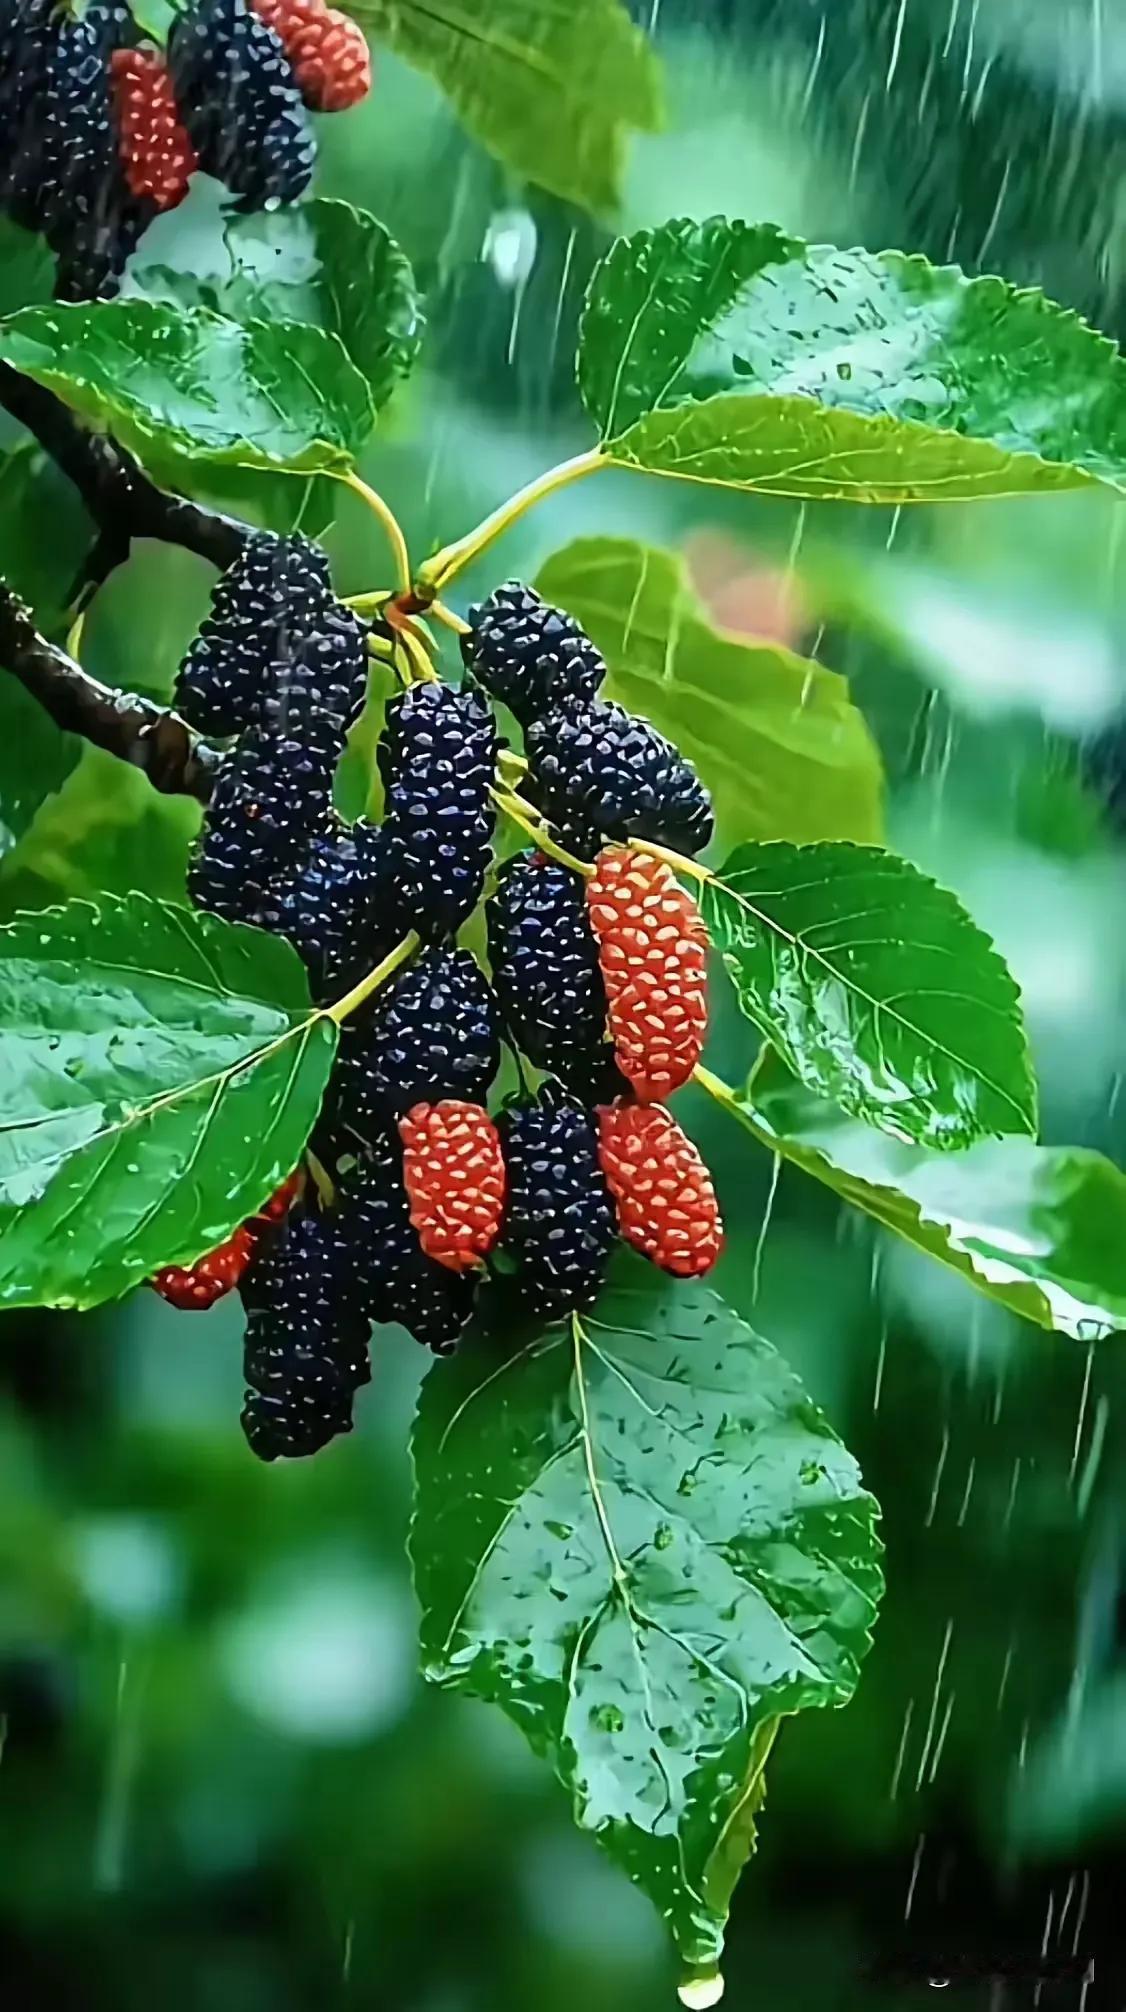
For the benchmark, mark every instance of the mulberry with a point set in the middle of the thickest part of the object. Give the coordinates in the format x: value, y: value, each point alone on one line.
x: 595, y: 767
x: 432, y: 1034
x: 280, y: 1202
x: 652, y: 947
x: 276, y: 590
x: 240, y: 102
x: 330, y: 57
x: 559, y: 1225
x: 437, y: 759
x: 454, y: 1175
x: 29, y: 34
x: 335, y: 908
x: 194, y: 1288
x: 544, y: 960
x: 306, y: 1349
x: 156, y: 152
x: 394, y: 1276
x: 666, y: 1203
x: 270, y: 796
x: 68, y: 182
x: 528, y: 655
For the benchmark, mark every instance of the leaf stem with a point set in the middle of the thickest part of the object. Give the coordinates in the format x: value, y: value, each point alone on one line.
x: 449, y: 620
x: 725, y: 1096
x: 680, y: 863
x: 422, y: 670
x: 437, y: 572
x: 525, y: 815
x: 389, y: 521
x: 362, y: 992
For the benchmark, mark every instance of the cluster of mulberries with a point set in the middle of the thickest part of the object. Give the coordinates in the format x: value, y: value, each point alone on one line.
x: 416, y: 1192
x: 100, y: 130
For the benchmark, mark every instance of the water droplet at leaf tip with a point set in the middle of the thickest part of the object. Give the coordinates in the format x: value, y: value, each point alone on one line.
x: 699, y: 1993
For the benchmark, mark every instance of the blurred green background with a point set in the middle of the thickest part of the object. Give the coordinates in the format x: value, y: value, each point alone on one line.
x: 222, y: 1784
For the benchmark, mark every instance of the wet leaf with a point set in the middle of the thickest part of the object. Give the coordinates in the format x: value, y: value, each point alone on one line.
x: 728, y: 352
x: 270, y: 395
x: 160, y: 1071
x: 1041, y: 1229
x: 876, y: 988
x: 323, y: 263
x: 775, y: 737
x: 553, y: 89
x: 103, y: 830
x: 645, y: 1544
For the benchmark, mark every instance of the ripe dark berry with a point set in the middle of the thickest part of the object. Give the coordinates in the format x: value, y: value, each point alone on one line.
x: 277, y: 589
x: 559, y: 1226
x: 194, y: 1288
x: 453, y: 1171
x: 68, y: 182
x: 270, y: 796
x: 396, y: 1279
x: 544, y: 960
x: 437, y: 759
x: 306, y: 1349
x: 330, y: 56
x: 317, y: 684
x: 666, y: 1203
x: 528, y: 655
x: 652, y: 947
x: 336, y: 908
x: 432, y: 1033
x: 596, y: 767
x: 29, y: 30
x: 156, y: 151
x: 240, y: 102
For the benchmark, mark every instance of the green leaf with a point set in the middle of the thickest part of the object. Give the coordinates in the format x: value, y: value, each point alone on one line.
x: 323, y: 263
x: 775, y: 737
x: 270, y: 395
x: 728, y: 352
x: 645, y: 1544
x: 876, y: 988
x: 1041, y: 1229
x: 44, y: 535
x: 104, y: 830
x: 27, y: 268
x: 553, y: 87
x: 35, y: 760
x: 160, y: 1072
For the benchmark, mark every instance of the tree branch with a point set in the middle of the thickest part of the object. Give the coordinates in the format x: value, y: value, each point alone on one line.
x: 119, y: 496
x: 151, y: 737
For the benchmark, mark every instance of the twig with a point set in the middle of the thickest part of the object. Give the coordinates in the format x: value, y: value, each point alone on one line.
x: 153, y: 738
x: 122, y: 500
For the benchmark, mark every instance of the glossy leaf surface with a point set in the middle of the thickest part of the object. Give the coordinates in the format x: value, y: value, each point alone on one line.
x: 268, y: 395
x: 159, y: 1074
x: 876, y: 988
x: 728, y: 352
x: 1041, y: 1229
x: 644, y: 1543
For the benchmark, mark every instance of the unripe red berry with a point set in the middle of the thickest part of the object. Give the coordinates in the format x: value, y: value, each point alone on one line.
x: 282, y: 1200
x: 453, y: 1171
x: 330, y: 56
x: 156, y: 152
x: 665, y: 1199
x: 196, y: 1287
x: 652, y: 947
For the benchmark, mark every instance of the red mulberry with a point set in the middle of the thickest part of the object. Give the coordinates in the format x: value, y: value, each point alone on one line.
x: 455, y: 1181
x: 666, y: 1203
x: 653, y: 952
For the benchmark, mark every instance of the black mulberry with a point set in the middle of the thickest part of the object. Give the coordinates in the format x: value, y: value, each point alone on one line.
x: 270, y: 796
x: 437, y: 759
x: 395, y: 1278
x: 529, y: 655
x: 432, y: 1033
x: 335, y: 909
x: 597, y: 767
x: 544, y: 961
x: 277, y: 590
x: 29, y: 32
x: 240, y: 102
x: 306, y: 1348
x: 559, y: 1227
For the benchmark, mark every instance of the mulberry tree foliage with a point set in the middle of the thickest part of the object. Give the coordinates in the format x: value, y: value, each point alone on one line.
x: 417, y: 1067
